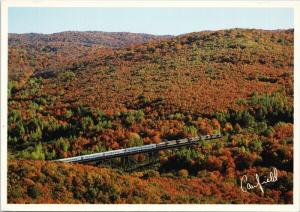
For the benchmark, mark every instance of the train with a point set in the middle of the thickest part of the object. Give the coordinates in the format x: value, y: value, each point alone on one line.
x: 138, y: 149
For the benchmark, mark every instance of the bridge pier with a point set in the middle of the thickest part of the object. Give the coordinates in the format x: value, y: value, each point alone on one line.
x: 125, y: 163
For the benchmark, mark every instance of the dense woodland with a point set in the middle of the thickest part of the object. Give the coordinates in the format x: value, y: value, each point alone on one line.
x: 76, y: 93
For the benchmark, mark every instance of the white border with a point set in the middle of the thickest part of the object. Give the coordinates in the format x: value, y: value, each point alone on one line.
x: 147, y: 3
x: 3, y: 105
x: 135, y: 207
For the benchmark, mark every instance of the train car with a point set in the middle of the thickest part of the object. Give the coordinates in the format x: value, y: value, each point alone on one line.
x: 89, y: 156
x: 133, y: 149
x: 172, y: 142
x: 206, y: 137
x: 120, y: 151
x: 150, y: 146
x: 107, y: 153
x: 161, y: 144
x: 72, y: 159
x: 182, y: 141
x: 216, y: 135
x: 195, y: 139
x: 203, y: 137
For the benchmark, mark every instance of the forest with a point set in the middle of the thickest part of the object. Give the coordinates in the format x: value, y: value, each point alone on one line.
x: 77, y: 93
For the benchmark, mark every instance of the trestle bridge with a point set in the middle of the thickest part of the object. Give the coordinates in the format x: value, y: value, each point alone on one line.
x: 151, y: 149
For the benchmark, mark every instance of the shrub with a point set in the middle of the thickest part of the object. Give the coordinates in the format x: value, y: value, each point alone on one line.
x: 87, y: 123
x: 261, y: 127
x: 129, y: 119
x: 33, y: 192
x: 177, y: 116
x: 183, y: 173
x: 168, y: 175
x: 245, y: 160
x: 64, y: 144
x: 134, y: 140
x: 132, y: 117
x: 41, y: 101
x: 243, y: 117
x: 190, y: 131
x: 38, y: 153
x: 50, y: 155
x: 66, y: 76
x: 139, y: 115
x: 213, y: 163
x: 255, y: 146
x: 12, y: 88
x: 150, y: 173
x: 36, y: 135
x: 13, y: 116
x: 68, y: 114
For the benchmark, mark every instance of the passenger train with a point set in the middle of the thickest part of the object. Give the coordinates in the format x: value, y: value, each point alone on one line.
x: 139, y: 148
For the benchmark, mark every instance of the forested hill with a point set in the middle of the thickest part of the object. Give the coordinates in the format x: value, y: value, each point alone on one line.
x: 105, y: 39
x: 191, y: 72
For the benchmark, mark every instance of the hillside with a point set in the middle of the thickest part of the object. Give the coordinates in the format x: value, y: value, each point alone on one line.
x: 89, y: 38
x: 44, y: 51
x: 182, y: 70
x: 90, y: 95
x: 56, y: 183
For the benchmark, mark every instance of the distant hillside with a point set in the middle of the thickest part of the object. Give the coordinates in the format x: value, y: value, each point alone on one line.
x: 196, y: 72
x: 105, y: 39
x: 36, y: 52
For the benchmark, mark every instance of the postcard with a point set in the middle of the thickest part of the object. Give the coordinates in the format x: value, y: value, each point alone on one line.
x: 148, y: 105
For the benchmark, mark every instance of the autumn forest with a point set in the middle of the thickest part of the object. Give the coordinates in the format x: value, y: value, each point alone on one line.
x: 76, y: 93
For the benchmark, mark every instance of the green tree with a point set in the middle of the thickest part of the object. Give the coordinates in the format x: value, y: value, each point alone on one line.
x: 12, y: 88
x: 135, y: 140
x: 64, y: 144
x: 191, y: 130
x: 33, y: 192
x: 38, y: 153
x: 255, y: 146
x: 87, y: 123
